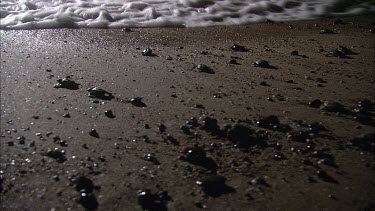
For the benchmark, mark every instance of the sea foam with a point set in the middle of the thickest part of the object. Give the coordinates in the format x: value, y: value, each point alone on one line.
x: 36, y: 14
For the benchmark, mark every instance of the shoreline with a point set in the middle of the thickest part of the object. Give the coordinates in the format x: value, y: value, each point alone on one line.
x: 321, y: 168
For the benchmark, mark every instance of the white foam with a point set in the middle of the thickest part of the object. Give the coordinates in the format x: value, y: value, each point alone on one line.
x: 29, y: 14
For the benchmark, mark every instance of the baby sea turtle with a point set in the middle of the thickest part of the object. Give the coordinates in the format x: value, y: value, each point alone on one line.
x: 341, y: 52
x: 261, y: 63
x: 238, y: 48
x: 147, y: 52
x: 99, y: 93
x: 327, y: 31
x: 67, y: 84
x: 137, y: 101
x: 205, y: 69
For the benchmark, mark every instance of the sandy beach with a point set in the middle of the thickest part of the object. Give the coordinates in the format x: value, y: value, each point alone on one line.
x: 266, y: 116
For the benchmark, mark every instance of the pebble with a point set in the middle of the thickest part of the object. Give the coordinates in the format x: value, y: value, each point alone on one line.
x: 147, y: 52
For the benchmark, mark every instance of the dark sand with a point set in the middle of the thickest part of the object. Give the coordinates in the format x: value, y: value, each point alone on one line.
x: 34, y: 113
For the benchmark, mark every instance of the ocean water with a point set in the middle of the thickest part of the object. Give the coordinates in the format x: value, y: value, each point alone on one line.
x: 34, y: 14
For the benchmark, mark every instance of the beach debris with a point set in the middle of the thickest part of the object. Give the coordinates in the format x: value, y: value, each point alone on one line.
x: 147, y: 52
x: 96, y: 92
x: 327, y: 31
x: 151, y: 201
x: 137, y: 101
x: 238, y: 48
x: 261, y: 63
x: 56, y: 153
x: 214, y: 185
x: 109, y: 114
x: 94, y: 133
x: 67, y: 84
x: 205, y: 69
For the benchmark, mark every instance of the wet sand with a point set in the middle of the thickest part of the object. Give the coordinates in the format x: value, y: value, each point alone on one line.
x: 200, y: 124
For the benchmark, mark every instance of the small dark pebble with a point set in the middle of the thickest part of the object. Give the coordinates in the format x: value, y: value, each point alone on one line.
x: 94, y: 133
x: 109, y: 114
x: 10, y: 143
